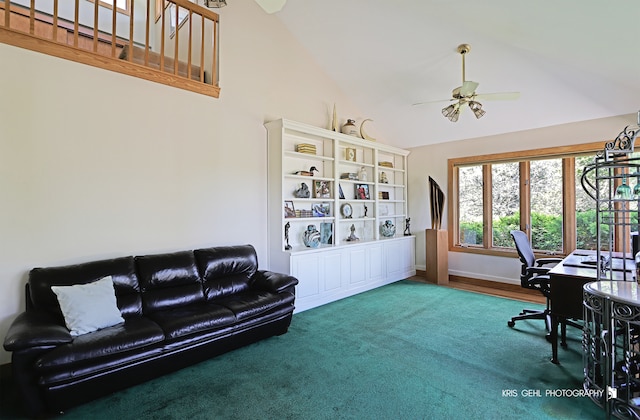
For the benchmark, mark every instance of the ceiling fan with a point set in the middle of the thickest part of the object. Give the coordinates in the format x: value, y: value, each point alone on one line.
x: 466, y: 94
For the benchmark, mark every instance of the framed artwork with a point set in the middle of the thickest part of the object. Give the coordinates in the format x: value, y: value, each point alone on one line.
x: 326, y: 233
x: 321, y: 189
x: 289, y: 209
x: 321, y: 210
x: 340, y: 191
x: 350, y: 154
x: 362, y: 192
x: 384, y: 195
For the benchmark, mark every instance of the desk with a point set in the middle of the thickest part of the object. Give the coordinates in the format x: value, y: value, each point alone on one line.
x: 567, y: 279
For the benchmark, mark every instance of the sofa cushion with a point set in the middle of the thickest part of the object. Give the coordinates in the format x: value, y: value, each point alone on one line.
x: 88, y: 307
x: 226, y: 270
x: 169, y: 281
x: 135, y: 333
x: 193, y: 319
x: 254, y: 302
x: 121, y: 270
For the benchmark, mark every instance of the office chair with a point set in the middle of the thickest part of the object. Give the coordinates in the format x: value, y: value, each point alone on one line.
x: 533, y: 276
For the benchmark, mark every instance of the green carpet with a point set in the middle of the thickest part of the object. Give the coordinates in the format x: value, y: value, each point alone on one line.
x: 404, y: 351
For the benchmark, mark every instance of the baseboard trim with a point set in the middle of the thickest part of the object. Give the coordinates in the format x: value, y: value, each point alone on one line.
x: 507, y: 290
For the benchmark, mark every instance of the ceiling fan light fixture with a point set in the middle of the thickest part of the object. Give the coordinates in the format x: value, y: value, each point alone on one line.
x: 215, y: 3
x: 452, y: 112
x: 476, y: 107
x: 446, y: 111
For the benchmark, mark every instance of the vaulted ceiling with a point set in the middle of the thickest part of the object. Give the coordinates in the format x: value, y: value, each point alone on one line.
x: 571, y: 60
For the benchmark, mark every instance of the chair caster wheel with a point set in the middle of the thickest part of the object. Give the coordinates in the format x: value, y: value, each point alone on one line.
x: 511, y: 323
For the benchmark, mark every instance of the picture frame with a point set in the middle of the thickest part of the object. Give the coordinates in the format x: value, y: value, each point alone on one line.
x: 384, y: 195
x: 321, y: 210
x: 350, y: 154
x: 326, y: 233
x: 362, y: 192
x: 321, y: 189
x: 341, y: 193
x: 289, y: 209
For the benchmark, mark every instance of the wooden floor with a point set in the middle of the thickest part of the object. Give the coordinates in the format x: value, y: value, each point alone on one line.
x: 510, y: 291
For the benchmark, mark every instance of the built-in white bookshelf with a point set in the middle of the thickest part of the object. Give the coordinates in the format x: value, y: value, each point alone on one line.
x: 356, y: 196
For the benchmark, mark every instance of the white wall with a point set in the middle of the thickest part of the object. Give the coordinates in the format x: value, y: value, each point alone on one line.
x: 432, y: 161
x: 95, y: 164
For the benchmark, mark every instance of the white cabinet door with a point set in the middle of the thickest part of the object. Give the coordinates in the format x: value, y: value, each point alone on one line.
x: 306, y: 269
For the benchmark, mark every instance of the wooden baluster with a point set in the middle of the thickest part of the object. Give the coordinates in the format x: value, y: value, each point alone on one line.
x: 32, y: 17
x: 113, y: 28
x: 131, y: 19
x: 175, y: 41
x: 146, y: 35
x: 7, y: 13
x: 202, y: 48
x: 162, y: 36
x: 55, y: 21
x: 95, y: 26
x: 76, y: 18
x: 189, y: 48
x: 214, y: 66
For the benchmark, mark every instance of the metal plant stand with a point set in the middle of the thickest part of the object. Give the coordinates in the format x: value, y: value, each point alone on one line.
x: 611, y: 334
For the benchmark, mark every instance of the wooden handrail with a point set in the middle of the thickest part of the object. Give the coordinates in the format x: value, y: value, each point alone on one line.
x: 143, y: 52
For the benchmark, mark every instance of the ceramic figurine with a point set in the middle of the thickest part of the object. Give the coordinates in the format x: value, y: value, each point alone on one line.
x: 303, y: 191
x: 407, y: 228
x: 387, y: 229
x: 286, y: 236
x: 307, y: 173
x: 353, y: 236
x: 311, y: 237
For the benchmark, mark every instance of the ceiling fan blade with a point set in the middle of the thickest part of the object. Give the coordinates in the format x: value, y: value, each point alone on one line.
x: 433, y: 102
x: 271, y: 6
x: 502, y: 96
x: 468, y: 88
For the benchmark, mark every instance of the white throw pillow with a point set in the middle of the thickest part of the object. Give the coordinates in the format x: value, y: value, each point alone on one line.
x: 88, y: 307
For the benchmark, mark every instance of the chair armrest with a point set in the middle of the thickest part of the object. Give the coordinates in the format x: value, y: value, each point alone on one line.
x: 538, y: 270
x: 33, y: 329
x: 543, y: 261
x: 273, y: 282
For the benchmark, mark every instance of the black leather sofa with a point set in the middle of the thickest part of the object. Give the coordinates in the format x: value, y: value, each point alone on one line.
x: 178, y: 308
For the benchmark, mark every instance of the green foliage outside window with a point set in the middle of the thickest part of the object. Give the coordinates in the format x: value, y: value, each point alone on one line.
x: 547, y: 237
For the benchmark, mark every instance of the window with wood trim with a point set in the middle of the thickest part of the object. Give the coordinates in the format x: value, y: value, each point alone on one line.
x: 536, y: 191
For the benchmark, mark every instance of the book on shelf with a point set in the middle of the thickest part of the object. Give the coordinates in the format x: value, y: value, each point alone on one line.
x: 306, y: 148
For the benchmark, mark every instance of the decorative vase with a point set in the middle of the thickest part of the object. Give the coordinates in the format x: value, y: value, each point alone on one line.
x: 387, y: 229
x: 350, y: 128
x: 362, y: 174
x: 311, y: 237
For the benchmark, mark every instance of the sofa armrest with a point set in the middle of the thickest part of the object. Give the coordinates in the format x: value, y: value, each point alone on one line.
x: 33, y: 329
x: 273, y: 282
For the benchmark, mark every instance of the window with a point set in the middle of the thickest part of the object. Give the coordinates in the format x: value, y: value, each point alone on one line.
x: 471, y: 209
x: 122, y: 6
x: 537, y: 191
x: 546, y: 192
x: 505, y: 202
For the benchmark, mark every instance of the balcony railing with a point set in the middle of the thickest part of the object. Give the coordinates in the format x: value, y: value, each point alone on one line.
x: 173, y: 42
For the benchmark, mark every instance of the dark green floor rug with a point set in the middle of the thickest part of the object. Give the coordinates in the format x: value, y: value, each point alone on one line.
x: 404, y: 351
